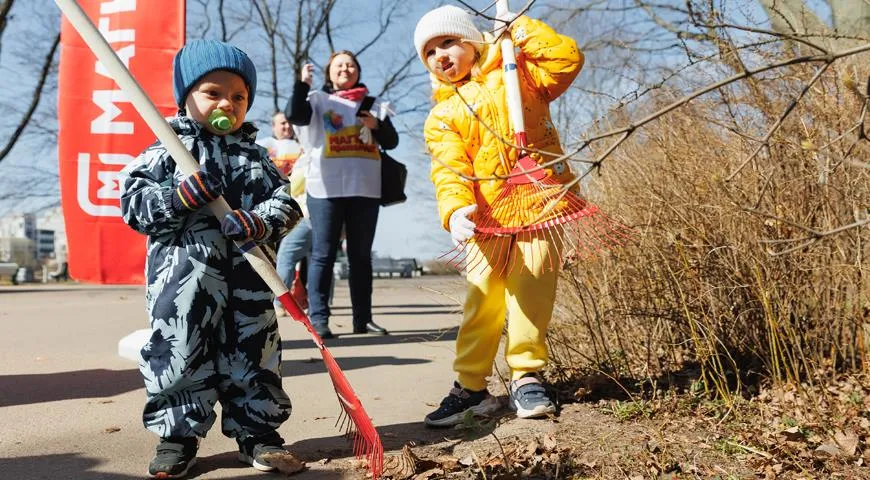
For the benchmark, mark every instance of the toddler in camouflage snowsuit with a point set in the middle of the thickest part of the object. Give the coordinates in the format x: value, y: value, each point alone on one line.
x: 214, y: 331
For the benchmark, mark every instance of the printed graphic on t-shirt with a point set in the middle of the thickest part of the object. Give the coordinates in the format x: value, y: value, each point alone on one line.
x: 284, y: 153
x: 284, y: 160
x: 344, y: 141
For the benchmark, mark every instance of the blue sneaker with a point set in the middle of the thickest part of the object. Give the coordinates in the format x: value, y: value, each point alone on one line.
x: 529, y: 398
x: 458, y: 403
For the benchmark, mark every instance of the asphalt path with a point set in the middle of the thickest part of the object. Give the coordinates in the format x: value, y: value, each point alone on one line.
x: 70, y: 406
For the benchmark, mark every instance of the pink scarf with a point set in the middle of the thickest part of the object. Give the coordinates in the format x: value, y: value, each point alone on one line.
x: 353, y: 94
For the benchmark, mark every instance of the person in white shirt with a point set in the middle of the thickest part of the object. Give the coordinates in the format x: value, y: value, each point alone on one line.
x: 343, y: 182
x: 283, y: 147
x: 287, y: 152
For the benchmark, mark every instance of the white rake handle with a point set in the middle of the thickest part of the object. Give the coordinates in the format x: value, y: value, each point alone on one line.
x: 104, y: 53
x: 511, y: 78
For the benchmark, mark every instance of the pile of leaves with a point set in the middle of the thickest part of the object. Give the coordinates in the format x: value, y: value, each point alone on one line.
x: 792, y: 431
x: 540, y: 457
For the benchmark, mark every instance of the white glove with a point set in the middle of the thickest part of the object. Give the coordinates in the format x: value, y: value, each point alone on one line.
x: 461, y: 227
x: 365, y: 135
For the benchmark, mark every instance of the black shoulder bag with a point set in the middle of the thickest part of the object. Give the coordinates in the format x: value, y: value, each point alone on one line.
x: 393, y: 176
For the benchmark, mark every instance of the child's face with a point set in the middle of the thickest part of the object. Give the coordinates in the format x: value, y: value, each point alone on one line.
x: 343, y: 72
x: 218, y: 90
x: 449, y: 58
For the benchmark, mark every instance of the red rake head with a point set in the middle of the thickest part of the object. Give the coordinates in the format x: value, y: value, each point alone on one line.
x: 526, y: 171
x: 534, y: 208
x: 366, y: 441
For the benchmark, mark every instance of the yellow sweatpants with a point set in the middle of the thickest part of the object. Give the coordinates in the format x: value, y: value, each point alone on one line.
x: 525, y: 290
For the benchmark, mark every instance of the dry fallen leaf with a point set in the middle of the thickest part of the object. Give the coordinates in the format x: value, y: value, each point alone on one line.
x: 286, y: 463
x: 447, y: 462
x: 431, y: 473
x: 549, y: 443
x: 848, y: 442
x: 401, y: 466
x: 827, y: 450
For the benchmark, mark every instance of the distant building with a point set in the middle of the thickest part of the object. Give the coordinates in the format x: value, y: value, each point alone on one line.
x: 18, y: 225
x: 44, y: 244
x: 51, y: 219
x: 27, y: 238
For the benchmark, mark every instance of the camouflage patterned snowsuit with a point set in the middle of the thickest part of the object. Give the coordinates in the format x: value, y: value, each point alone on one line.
x: 214, y: 331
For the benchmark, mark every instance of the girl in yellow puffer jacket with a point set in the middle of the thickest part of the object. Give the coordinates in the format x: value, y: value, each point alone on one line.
x: 465, y: 134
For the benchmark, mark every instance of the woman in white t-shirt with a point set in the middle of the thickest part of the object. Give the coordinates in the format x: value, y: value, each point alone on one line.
x: 343, y: 182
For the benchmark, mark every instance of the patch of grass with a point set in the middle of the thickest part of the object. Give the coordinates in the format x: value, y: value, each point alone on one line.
x: 625, y: 411
x: 729, y: 447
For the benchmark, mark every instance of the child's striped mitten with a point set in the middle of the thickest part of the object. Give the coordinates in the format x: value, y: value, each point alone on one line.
x: 196, y: 191
x: 241, y: 225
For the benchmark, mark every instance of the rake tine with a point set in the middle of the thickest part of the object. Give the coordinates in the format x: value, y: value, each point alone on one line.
x: 471, y: 259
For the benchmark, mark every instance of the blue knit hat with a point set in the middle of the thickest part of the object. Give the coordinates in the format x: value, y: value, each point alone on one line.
x: 200, y: 57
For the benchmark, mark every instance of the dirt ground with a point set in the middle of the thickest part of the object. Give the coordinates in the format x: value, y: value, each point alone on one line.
x: 69, y: 406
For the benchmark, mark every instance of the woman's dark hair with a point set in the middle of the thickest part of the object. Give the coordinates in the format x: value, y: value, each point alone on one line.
x: 329, y: 87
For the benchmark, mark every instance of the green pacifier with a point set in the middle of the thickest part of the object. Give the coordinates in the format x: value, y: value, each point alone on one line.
x: 220, y: 121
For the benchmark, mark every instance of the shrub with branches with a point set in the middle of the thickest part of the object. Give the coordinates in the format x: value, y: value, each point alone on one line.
x: 747, y: 260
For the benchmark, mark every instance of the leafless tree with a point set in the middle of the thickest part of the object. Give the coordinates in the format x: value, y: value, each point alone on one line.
x: 19, y: 53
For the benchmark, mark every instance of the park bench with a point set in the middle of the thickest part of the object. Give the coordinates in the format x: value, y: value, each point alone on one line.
x: 404, y: 267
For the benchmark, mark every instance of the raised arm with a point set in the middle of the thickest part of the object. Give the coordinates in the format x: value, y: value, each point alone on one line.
x: 552, y: 60
x: 298, y: 110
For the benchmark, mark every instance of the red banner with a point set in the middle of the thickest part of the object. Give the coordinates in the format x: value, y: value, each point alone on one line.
x: 100, y: 131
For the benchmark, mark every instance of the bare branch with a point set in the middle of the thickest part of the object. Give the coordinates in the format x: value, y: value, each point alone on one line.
x: 765, y: 142
x: 5, y: 6
x: 34, y: 101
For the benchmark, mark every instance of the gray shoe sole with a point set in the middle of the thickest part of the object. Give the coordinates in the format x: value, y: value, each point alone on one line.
x: 257, y: 465
x: 489, y: 406
x: 538, y: 411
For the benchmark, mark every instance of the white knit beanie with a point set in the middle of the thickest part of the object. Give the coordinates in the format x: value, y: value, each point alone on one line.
x: 445, y: 21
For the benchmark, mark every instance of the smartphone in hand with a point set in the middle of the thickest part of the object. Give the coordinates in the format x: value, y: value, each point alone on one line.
x: 366, y: 105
